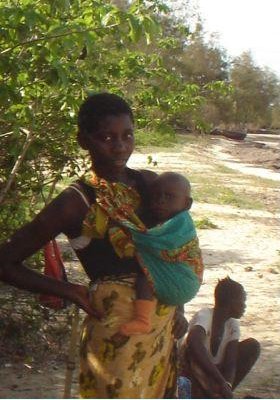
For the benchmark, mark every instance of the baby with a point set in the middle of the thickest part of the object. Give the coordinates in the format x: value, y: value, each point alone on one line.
x: 166, y: 248
x: 171, y: 194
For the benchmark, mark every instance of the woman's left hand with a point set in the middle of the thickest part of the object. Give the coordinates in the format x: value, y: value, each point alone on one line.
x: 180, y: 324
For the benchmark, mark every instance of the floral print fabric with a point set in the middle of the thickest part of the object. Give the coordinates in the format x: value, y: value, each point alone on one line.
x: 168, y: 253
x: 116, y: 366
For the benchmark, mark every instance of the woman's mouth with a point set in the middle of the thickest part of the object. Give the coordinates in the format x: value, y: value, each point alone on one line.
x: 120, y: 162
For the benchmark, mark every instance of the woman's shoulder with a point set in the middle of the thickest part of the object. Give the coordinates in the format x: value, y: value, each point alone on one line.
x: 85, y: 191
x: 67, y: 210
x: 64, y: 214
x: 147, y: 175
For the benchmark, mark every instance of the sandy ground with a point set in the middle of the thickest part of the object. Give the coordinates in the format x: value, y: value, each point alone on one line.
x: 245, y: 245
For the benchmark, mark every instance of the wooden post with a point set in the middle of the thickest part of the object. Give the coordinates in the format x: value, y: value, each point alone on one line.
x: 71, y: 358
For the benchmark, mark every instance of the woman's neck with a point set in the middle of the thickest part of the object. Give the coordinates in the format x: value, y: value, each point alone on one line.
x: 120, y: 175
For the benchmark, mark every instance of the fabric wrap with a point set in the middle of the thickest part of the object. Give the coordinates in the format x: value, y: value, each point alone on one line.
x: 135, y: 367
x: 169, y: 255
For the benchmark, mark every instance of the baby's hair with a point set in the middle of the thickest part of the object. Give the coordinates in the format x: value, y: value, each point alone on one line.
x: 177, y: 177
x: 99, y: 106
x: 226, y: 290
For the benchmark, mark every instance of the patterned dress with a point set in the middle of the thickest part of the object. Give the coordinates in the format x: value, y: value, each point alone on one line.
x: 115, y: 366
x: 112, y: 365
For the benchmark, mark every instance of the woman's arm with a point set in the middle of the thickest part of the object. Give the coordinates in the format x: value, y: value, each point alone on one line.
x: 62, y: 215
x: 195, y: 342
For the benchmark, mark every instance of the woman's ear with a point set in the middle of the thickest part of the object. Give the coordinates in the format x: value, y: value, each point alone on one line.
x: 189, y: 202
x: 83, y: 141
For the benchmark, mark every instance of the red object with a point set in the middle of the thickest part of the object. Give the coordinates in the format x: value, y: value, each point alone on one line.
x: 54, y: 268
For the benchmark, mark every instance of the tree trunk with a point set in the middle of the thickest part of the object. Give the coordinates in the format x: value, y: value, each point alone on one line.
x: 28, y: 141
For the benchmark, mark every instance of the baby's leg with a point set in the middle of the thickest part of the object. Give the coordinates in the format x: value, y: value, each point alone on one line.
x: 143, y: 288
x: 144, y: 307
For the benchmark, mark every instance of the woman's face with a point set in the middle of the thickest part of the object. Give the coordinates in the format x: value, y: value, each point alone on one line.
x: 111, y: 145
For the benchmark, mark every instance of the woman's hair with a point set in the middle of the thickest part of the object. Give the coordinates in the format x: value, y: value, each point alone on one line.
x: 226, y: 290
x: 97, y: 107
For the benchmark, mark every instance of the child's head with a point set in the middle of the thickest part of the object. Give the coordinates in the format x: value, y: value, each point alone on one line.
x: 230, y: 295
x: 170, y: 194
x: 105, y: 129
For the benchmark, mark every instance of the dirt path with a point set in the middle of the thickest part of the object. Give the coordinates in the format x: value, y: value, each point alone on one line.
x: 245, y: 245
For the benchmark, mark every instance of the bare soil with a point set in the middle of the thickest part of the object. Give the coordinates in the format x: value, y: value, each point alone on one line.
x: 260, y: 150
x: 245, y: 245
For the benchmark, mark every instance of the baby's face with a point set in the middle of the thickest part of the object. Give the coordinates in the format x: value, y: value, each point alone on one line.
x: 168, y: 198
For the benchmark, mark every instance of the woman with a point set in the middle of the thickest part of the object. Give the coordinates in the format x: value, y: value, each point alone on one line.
x: 213, y: 358
x: 111, y: 365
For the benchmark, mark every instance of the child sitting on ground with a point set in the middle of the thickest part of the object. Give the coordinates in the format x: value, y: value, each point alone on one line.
x: 168, y: 252
x: 212, y: 355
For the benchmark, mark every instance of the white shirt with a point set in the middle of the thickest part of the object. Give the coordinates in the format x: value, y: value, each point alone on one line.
x: 204, y: 318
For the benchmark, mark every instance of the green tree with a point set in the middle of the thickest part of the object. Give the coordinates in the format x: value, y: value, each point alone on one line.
x: 52, y: 53
x: 203, y: 60
x: 255, y: 92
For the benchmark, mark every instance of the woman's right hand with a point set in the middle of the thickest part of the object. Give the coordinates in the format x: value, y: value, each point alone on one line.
x: 81, y: 297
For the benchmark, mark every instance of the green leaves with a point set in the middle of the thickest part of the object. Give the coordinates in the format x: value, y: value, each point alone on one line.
x: 136, y: 30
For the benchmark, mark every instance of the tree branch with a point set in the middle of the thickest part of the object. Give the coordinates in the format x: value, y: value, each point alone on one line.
x: 28, y: 141
x: 44, y: 38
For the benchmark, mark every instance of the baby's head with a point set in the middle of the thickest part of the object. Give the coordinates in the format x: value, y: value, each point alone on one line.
x: 170, y: 194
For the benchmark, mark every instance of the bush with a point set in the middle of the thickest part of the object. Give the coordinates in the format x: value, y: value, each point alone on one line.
x: 162, y: 135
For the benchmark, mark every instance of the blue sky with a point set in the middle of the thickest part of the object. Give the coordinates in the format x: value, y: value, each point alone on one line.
x: 245, y: 25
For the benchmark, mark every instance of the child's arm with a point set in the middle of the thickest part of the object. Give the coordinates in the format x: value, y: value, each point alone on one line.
x: 228, y: 366
x: 61, y: 215
x: 195, y: 343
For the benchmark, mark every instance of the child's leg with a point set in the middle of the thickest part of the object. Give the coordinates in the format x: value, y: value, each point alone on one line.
x: 248, y: 353
x: 144, y: 307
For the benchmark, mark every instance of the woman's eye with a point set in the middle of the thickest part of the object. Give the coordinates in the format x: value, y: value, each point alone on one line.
x: 107, y: 138
x: 128, y: 134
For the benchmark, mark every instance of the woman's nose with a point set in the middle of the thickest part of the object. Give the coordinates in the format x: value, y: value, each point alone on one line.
x: 119, y: 145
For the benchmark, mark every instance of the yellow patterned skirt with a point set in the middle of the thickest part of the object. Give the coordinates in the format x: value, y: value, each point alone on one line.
x: 115, y: 366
